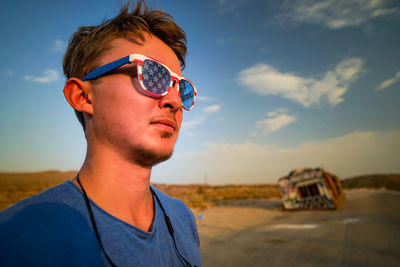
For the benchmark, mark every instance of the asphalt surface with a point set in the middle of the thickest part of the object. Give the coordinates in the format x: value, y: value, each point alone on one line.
x: 365, y: 231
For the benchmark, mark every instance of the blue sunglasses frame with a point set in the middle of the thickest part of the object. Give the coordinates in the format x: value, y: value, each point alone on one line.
x: 139, y: 59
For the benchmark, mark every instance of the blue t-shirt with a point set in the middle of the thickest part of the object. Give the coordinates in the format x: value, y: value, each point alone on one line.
x: 53, y: 228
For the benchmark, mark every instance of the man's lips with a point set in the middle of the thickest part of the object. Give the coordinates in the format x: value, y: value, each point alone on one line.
x: 165, y: 124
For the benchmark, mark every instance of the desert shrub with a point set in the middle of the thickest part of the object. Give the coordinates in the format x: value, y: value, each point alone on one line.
x: 17, y: 186
x: 197, y: 201
x: 388, y: 181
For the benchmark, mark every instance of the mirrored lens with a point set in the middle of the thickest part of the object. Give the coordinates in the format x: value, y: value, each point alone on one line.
x: 156, y: 78
x: 186, y: 92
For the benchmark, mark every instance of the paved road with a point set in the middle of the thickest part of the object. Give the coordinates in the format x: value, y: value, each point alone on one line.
x: 365, y: 231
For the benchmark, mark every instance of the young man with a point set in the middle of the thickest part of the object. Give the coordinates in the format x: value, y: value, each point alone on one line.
x: 126, y: 87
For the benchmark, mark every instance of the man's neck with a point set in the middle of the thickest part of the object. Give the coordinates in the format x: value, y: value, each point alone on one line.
x: 120, y: 187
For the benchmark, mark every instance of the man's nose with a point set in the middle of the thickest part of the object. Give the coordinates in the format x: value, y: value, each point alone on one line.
x: 172, y: 99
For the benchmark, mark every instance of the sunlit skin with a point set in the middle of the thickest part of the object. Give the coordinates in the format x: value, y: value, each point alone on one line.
x: 121, y: 121
x: 123, y: 115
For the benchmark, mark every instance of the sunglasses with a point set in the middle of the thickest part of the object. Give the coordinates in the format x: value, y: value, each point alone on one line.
x: 154, y: 77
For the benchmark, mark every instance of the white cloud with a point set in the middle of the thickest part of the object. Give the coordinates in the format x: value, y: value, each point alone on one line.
x: 194, y: 122
x: 49, y: 76
x: 336, y: 14
x: 235, y: 40
x: 212, y: 109
x: 204, y: 98
x: 277, y: 112
x: 9, y: 73
x: 58, y: 46
x: 389, y: 82
x: 233, y: 7
x: 275, y: 120
x: 207, y: 111
x: 264, y: 79
x: 190, y: 134
x: 356, y: 153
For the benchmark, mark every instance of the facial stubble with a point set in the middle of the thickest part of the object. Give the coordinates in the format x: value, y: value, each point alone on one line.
x: 148, y: 158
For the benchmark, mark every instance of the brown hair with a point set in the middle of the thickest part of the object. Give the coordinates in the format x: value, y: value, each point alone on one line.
x: 88, y: 43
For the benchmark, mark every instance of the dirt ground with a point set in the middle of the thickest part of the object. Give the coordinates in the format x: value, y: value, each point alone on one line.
x: 363, y: 232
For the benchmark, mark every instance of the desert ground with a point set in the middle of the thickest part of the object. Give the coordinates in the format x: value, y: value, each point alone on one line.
x: 245, y: 225
x: 364, y: 231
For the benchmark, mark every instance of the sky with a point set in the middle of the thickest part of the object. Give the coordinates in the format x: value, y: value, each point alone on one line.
x: 281, y: 85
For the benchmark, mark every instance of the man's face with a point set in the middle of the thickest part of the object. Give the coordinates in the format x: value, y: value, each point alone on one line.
x: 140, y: 128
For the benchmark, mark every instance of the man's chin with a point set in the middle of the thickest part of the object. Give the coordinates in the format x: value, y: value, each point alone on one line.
x: 149, y: 158
x: 166, y: 135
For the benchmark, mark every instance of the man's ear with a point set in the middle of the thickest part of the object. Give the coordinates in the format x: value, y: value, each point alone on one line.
x: 79, y: 95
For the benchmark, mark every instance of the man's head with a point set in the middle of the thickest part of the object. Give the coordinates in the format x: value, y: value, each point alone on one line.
x: 113, y: 109
x: 89, y: 43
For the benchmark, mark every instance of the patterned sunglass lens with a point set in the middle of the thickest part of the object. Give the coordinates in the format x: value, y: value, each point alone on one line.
x: 186, y: 92
x: 156, y: 78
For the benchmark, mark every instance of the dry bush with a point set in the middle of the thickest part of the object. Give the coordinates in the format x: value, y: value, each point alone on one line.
x: 203, y: 196
x: 17, y: 186
x: 388, y: 181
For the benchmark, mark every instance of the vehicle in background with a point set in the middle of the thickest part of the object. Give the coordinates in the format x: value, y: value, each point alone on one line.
x: 311, y: 189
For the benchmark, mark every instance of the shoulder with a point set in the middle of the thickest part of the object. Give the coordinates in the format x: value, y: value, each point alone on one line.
x: 54, y: 204
x: 42, y: 223
x: 172, y: 204
x: 184, y: 225
x: 180, y: 215
x: 53, y: 194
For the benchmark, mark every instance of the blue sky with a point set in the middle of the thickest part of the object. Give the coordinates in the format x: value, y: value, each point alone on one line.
x: 281, y: 85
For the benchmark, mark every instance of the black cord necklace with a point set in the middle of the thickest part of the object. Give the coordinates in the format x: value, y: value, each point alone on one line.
x: 96, y: 231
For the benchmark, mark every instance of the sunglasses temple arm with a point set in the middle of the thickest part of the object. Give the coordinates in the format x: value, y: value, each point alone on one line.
x: 106, y: 68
